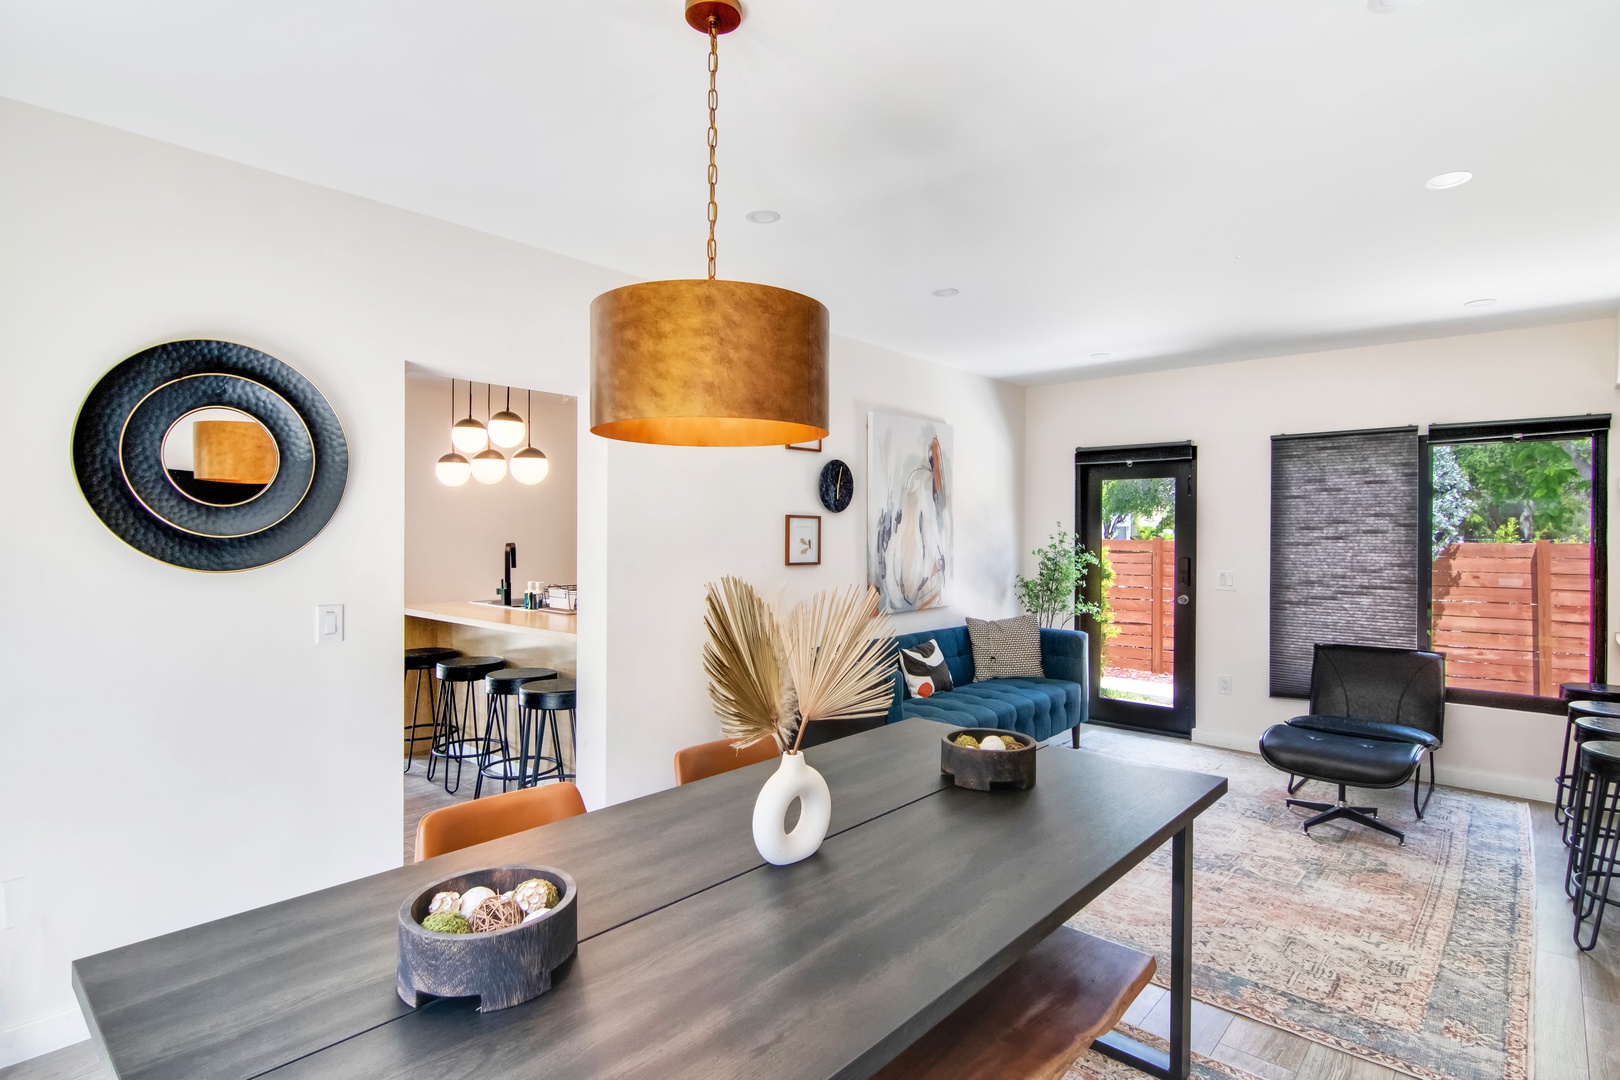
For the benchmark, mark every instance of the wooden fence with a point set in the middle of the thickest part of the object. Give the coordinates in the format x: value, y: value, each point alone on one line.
x: 1509, y: 617
x: 1514, y: 617
x: 1143, y: 597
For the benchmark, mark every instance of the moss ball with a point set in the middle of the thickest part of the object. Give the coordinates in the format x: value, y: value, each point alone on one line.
x: 447, y: 922
x: 966, y: 740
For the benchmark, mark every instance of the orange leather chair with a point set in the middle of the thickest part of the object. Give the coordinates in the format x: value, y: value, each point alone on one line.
x: 451, y: 828
x: 713, y: 758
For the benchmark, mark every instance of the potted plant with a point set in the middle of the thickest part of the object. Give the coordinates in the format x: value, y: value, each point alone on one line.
x: 832, y: 658
x: 1053, y: 594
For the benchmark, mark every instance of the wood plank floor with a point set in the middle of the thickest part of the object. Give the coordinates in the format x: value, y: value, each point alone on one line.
x: 1574, y: 1032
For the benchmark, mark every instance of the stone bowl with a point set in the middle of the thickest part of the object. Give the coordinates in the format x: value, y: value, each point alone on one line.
x: 981, y: 770
x: 501, y: 968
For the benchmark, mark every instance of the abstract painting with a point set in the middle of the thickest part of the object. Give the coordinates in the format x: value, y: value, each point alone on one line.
x: 908, y: 510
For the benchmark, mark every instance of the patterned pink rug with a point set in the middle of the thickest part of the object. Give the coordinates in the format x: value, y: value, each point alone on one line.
x: 1415, y: 957
x: 1095, y: 1066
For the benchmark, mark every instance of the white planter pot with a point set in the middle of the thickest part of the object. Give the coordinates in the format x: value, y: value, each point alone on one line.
x: 793, y: 779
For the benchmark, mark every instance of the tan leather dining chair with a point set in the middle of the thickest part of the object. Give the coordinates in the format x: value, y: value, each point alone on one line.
x: 451, y: 828
x: 711, y: 758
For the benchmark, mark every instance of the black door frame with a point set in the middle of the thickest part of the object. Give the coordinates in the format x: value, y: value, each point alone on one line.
x: 1181, y: 457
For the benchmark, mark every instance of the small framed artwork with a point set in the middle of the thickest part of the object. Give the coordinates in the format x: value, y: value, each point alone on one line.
x: 814, y: 446
x: 803, y: 540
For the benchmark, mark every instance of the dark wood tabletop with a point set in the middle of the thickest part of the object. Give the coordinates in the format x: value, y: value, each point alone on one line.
x: 696, y: 958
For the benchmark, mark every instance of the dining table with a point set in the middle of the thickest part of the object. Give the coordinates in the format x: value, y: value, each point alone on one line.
x: 696, y: 957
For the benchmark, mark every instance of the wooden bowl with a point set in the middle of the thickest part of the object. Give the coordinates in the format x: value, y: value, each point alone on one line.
x: 501, y: 968
x: 980, y: 769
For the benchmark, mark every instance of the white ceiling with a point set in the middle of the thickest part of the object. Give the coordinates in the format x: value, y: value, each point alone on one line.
x: 1164, y: 181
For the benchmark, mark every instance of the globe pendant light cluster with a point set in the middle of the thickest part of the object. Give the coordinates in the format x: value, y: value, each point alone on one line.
x: 487, y: 464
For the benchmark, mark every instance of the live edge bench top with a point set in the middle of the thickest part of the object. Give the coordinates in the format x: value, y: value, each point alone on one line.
x: 695, y: 959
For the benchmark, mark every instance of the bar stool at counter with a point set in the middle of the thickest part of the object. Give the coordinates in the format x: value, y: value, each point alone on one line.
x: 541, y: 702
x: 495, y: 760
x: 457, y: 736
x: 1594, y: 861
x: 423, y: 662
x: 1588, y: 718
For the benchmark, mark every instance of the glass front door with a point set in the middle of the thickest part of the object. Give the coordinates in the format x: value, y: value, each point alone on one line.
x: 1140, y: 518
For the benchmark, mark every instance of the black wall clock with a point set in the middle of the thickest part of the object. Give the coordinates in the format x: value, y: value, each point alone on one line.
x: 837, y: 486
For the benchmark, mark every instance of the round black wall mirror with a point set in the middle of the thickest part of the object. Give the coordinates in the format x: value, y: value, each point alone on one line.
x: 210, y: 455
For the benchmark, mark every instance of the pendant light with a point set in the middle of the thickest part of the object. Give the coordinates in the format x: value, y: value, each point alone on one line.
x: 529, y: 466
x: 469, y: 436
x: 506, y: 427
x: 488, y: 466
x: 453, y: 470
x: 709, y: 362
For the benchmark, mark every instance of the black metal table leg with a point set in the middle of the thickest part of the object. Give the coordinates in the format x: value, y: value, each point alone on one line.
x: 1177, y: 1064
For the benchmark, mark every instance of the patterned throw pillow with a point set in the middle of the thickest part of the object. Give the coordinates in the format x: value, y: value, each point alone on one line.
x: 1006, y: 649
x: 925, y: 670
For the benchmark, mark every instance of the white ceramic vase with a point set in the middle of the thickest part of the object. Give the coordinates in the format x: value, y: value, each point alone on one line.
x: 793, y: 779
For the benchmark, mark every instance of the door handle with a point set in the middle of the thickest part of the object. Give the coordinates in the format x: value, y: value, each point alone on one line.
x: 1183, y: 598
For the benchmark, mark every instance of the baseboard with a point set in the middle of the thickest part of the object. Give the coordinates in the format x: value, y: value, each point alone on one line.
x: 41, y: 1036
x: 1534, y: 789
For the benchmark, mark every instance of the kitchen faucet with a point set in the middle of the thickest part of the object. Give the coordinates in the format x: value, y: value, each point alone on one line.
x: 508, y: 564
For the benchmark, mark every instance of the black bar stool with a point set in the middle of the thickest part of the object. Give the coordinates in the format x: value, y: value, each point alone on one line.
x: 456, y: 736
x: 495, y: 760
x: 1594, y: 858
x: 1588, y: 719
x: 423, y: 662
x: 1576, y: 691
x: 541, y: 702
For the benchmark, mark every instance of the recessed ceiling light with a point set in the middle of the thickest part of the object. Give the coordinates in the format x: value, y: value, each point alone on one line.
x: 946, y: 292
x: 1447, y: 180
x: 763, y: 217
x: 1101, y: 355
x: 1484, y: 301
x: 1389, y: 7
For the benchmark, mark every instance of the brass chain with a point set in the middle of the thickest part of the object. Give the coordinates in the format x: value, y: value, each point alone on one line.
x: 714, y: 137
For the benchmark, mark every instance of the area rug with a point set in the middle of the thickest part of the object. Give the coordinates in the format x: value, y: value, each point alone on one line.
x: 1416, y: 957
x: 1095, y: 1066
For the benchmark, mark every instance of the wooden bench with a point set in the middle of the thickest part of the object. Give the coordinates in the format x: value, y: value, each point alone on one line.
x: 1036, y: 1018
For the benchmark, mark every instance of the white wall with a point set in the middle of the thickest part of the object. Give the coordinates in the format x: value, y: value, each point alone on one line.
x: 681, y: 517
x: 150, y: 712
x: 454, y: 537
x: 161, y: 753
x: 1232, y: 410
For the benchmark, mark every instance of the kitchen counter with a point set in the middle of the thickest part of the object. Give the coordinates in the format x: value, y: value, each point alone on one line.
x: 489, y: 617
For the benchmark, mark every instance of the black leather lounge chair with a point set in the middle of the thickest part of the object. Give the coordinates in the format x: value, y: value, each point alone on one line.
x: 1375, y: 713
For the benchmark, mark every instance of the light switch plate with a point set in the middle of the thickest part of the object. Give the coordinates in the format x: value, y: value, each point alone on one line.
x: 1226, y: 580
x: 328, y: 624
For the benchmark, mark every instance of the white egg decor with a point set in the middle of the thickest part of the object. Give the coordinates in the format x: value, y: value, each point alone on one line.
x: 992, y: 742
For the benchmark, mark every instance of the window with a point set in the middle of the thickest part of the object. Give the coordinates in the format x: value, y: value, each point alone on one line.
x: 1514, y: 537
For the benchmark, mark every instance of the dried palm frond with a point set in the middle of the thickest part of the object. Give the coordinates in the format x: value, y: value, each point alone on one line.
x: 743, y: 658
x: 840, y: 656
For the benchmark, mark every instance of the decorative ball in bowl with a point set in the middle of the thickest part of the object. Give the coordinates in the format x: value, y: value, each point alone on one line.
x: 494, y: 934
x: 981, y: 758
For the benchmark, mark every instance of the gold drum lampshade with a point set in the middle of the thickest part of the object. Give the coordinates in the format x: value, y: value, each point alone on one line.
x: 708, y: 363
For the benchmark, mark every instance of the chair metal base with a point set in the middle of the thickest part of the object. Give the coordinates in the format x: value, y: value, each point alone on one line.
x: 1361, y: 815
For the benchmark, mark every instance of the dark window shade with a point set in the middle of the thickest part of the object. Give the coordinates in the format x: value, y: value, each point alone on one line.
x: 1344, y: 552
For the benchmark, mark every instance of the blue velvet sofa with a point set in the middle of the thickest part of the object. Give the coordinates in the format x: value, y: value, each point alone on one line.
x: 1037, y: 707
